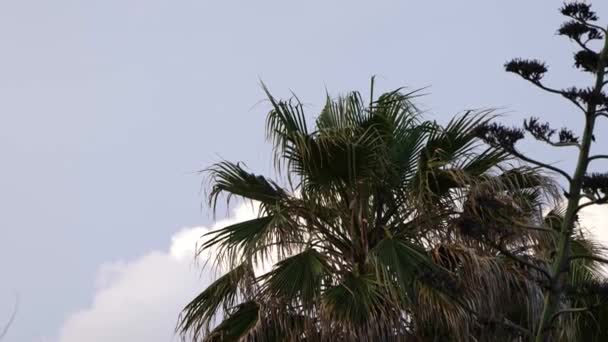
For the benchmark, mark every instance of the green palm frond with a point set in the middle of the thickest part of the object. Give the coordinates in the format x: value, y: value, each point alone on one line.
x: 233, y: 180
x: 405, y: 151
x: 285, y: 123
x: 217, y: 298
x: 402, y: 263
x: 297, y: 279
x: 257, y: 240
x: 359, y: 306
x: 240, y: 241
x: 238, y: 325
x: 343, y: 113
x: 458, y: 139
x: 450, y: 161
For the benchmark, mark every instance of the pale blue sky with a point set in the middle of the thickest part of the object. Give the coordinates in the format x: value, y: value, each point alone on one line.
x: 108, y: 108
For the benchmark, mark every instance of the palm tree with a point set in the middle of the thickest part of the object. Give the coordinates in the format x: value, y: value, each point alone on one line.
x: 389, y: 228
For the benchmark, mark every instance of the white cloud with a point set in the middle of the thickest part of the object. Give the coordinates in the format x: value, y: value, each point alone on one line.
x: 595, y: 218
x: 139, y: 300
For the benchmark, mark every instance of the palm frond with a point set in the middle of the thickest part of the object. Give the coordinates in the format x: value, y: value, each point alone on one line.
x: 218, y: 298
x: 255, y: 240
x: 237, y: 325
x: 360, y: 307
x: 343, y: 113
x: 402, y: 263
x: 297, y: 279
x: 233, y: 180
x: 285, y: 122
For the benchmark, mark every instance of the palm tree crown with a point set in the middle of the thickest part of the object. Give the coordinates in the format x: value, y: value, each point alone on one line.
x: 390, y: 228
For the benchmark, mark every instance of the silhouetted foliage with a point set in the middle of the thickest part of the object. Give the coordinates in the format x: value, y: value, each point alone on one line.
x: 593, y: 103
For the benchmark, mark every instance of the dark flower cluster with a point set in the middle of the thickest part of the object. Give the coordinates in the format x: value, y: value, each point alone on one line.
x: 586, y: 60
x: 538, y: 130
x: 497, y: 135
x: 585, y: 95
x: 544, y: 132
x: 579, y: 10
x: 532, y: 70
x: 567, y: 136
x: 575, y: 30
x: 595, y: 183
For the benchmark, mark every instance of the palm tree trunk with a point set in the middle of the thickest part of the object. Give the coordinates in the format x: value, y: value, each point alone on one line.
x: 561, y: 264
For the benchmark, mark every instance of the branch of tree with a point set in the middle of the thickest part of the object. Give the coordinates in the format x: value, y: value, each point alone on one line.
x: 599, y: 156
x: 583, y: 45
x: 597, y: 27
x: 592, y: 201
x: 541, y: 164
x: 563, y: 144
x: 584, y: 205
x: 558, y: 92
